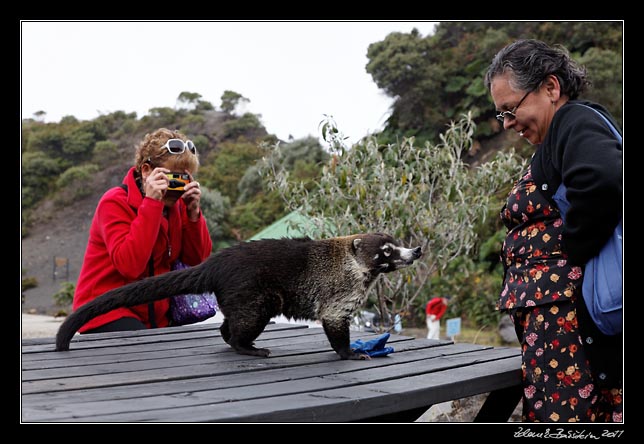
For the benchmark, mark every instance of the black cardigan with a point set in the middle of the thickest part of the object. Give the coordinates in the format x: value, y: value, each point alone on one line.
x: 581, y: 150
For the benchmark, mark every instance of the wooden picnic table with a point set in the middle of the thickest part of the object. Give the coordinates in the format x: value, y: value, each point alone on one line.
x: 188, y: 374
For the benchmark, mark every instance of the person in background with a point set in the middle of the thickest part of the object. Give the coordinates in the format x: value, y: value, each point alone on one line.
x: 571, y: 371
x: 141, y: 227
x: 434, y: 310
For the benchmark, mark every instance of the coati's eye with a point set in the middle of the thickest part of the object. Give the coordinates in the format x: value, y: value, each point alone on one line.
x: 386, y: 250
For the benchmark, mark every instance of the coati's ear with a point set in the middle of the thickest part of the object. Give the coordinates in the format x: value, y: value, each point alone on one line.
x: 356, y: 243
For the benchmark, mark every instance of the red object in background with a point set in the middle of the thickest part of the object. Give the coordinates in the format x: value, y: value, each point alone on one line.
x: 436, y: 307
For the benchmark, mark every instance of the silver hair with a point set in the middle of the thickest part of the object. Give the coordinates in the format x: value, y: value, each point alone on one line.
x: 531, y: 61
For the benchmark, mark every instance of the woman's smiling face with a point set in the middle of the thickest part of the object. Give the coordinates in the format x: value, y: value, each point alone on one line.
x: 530, y: 112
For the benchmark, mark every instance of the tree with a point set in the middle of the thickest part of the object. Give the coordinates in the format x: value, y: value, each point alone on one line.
x: 230, y: 100
x: 214, y: 207
x: 225, y: 168
x: 248, y: 126
x: 188, y: 100
x: 39, y: 171
x: 192, y: 101
x: 163, y: 112
x: 105, y: 152
x: 404, y: 65
x: 425, y: 196
x: 307, y: 149
x: 605, y: 72
x: 73, y: 183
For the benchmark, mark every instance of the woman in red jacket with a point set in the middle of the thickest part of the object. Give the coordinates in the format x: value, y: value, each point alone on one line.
x: 141, y: 228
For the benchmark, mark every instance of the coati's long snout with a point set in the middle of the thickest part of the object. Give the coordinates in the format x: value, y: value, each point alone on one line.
x: 411, y: 256
x: 395, y: 257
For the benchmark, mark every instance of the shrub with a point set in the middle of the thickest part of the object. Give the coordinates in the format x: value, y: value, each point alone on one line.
x: 29, y: 282
x: 65, y: 296
x: 73, y: 183
x: 105, y: 152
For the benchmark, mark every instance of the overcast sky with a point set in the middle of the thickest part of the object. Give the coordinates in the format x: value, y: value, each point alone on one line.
x: 293, y: 73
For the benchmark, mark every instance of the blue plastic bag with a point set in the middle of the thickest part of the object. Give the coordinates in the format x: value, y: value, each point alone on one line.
x: 374, y: 347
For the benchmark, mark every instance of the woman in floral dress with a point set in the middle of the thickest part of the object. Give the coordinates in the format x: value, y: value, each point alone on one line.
x: 571, y: 371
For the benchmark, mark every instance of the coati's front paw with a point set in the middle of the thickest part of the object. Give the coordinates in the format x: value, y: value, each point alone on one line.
x: 253, y: 351
x: 264, y: 352
x: 355, y: 356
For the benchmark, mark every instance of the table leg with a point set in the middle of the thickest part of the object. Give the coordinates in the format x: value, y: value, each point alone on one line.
x: 406, y: 416
x: 500, y: 404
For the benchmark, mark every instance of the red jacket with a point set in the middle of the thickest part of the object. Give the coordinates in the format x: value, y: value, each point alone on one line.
x: 436, y: 307
x: 126, y: 230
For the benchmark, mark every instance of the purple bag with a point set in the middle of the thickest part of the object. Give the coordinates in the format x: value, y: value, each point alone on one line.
x: 191, y: 308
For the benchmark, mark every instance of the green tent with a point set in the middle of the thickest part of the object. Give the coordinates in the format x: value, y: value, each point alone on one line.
x: 283, y: 227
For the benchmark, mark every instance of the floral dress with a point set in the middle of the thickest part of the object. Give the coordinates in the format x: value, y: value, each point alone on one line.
x: 540, y: 291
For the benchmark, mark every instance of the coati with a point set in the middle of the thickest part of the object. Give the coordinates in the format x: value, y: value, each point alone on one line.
x: 254, y: 281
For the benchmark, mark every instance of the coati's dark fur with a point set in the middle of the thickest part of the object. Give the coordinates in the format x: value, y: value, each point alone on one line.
x: 255, y: 281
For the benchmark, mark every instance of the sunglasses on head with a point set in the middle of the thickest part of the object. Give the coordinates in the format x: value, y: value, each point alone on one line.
x: 178, y: 146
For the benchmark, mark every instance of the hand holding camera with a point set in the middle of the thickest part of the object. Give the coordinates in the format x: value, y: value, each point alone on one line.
x: 191, y: 196
x: 155, y: 183
x: 163, y: 183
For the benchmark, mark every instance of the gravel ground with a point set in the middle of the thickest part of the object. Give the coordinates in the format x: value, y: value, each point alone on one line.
x: 39, y: 326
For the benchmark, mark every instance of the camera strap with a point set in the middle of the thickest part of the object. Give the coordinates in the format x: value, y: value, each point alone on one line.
x: 151, y: 317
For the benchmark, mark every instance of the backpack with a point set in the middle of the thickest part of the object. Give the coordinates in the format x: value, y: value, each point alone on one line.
x: 602, y: 285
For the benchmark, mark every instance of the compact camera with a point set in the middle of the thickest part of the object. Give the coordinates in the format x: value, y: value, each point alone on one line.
x: 177, y: 181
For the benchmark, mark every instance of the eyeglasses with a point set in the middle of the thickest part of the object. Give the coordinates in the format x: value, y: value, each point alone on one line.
x: 511, y: 114
x: 178, y: 146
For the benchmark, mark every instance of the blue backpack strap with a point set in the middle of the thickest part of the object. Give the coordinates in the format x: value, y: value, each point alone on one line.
x: 560, y: 195
x: 616, y: 133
